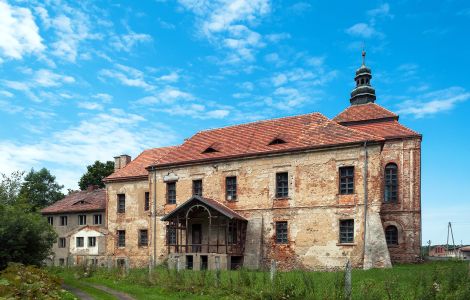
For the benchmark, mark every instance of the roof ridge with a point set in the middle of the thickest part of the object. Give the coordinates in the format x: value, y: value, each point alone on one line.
x: 261, y: 121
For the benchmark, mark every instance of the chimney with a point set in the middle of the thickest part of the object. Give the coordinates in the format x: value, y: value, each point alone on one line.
x: 92, y: 187
x: 121, y: 161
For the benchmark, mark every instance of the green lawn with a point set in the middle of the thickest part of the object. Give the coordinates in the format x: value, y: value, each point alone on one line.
x: 433, y: 280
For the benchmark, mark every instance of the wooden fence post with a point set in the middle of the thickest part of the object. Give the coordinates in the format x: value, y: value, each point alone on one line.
x: 347, y: 281
x: 273, y: 270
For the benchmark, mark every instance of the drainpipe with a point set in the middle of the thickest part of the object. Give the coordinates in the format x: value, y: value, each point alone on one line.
x: 154, y: 217
x: 364, y: 179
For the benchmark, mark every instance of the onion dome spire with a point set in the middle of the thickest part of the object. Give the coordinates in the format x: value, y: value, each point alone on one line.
x: 363, y: 92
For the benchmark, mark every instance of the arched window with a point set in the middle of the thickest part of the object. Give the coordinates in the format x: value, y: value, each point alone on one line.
x: 391, y: 235
x: 391, y: 183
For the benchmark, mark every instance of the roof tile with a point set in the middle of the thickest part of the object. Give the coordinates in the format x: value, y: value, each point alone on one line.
x: 80, y: 201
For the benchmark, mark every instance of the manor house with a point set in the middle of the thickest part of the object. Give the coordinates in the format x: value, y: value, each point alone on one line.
x: 306, y: 191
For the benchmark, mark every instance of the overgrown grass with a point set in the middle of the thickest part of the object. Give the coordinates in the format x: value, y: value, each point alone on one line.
x: 434, y: 280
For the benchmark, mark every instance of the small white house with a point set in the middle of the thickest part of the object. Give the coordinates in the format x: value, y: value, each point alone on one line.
x: 88, y: 244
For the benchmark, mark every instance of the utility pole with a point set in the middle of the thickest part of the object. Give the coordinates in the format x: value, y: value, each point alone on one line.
x: 449, y: 230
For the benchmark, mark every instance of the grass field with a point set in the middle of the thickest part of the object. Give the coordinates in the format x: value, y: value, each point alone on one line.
x: 433, y: 280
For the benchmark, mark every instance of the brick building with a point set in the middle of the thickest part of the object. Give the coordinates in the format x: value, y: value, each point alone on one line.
x: 79, y: 221
x: 306, y: 191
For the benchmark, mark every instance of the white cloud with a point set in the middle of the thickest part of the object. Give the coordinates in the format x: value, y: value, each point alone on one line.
x: 434, y: 102
x: 6, y: 94
x: 279, y: 79
x: 127, y: 76
x: 277, y: 37
x: 172, y: 77
x: 363, y: 30
x: 300, y: 7
x: 381, y: 11
x: 101, y: 137
x: 106, y: 98
x: 9, y: 107
x: 228, y: 23
x: 127, y: 41
x: 167, y: 95
x: 19, y: 34
x: 196, y: 111
x: 47, y: 78
x: 90, y: 105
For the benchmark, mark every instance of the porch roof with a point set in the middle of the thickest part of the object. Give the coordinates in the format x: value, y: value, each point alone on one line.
x: 219, y: 207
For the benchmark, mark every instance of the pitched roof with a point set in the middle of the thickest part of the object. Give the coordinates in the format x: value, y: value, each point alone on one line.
x: 136, y: 168
x: 364, y: 112
x: 229, y: 213
x: 81, y: 201
x: 299, y: 132
x: 385, y: 129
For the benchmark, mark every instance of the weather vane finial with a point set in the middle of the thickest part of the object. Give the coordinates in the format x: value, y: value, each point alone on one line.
x: 363, y: 54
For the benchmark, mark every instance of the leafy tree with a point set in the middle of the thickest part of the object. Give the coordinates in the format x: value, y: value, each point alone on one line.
x: 95, y: 174
x: 10, y: 187
x: 40, y: 189
x: 25, y: 236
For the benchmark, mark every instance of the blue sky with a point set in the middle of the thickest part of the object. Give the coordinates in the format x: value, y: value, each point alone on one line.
x: 86, y: 81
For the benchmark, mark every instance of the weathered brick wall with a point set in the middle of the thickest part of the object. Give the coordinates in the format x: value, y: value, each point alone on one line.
x: 132, y: 220
x: 313, y: 208
x: 406, y: 213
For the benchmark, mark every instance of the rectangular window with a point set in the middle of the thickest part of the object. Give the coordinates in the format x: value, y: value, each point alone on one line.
x: 197, y: 187
x: 61, y: 242
x: 61, y: 262
x: 231, y: 188
x: 121, y: 238
x: 80, y: 242
x: 346, y: 180
x: 281, y: 232
x: 50, y: 220
x: 63, y: 220
x: 147, y: 201
x: 92, y: 241
x: 121, y: 207
x: 143, y: 237
x: 346, y: 231
x: 97, y: 219
x: 171, y: 235
x: 171, y: 193
x: 81, y: 219
x: 282, y: 185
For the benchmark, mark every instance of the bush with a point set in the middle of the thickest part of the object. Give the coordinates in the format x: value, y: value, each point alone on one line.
x: 29, y: 282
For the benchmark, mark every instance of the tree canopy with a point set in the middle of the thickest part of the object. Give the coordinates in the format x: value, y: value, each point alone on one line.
x: 95, y: 174
x: 40, y: 189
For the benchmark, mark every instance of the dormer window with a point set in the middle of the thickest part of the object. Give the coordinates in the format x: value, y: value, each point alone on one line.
x: 277, y: 141
x: 81, y: 202
x: 209, y: 150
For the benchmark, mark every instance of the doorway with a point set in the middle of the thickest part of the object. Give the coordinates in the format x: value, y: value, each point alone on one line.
x: 196, y: 234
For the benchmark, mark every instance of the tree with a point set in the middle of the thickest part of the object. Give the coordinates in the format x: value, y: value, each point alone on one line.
x: 25, y: 236
x: 10, y: 187
x: 95, y: 174
x: 40, y: 189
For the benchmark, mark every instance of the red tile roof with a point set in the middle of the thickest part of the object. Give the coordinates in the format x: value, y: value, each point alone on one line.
x: 385, y: 129
x: 299, y: 132
x: 81, y: 201
x: 364, y: 112
x: 136, y: 168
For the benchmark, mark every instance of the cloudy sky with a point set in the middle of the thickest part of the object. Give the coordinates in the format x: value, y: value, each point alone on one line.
x: 87, y: 80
